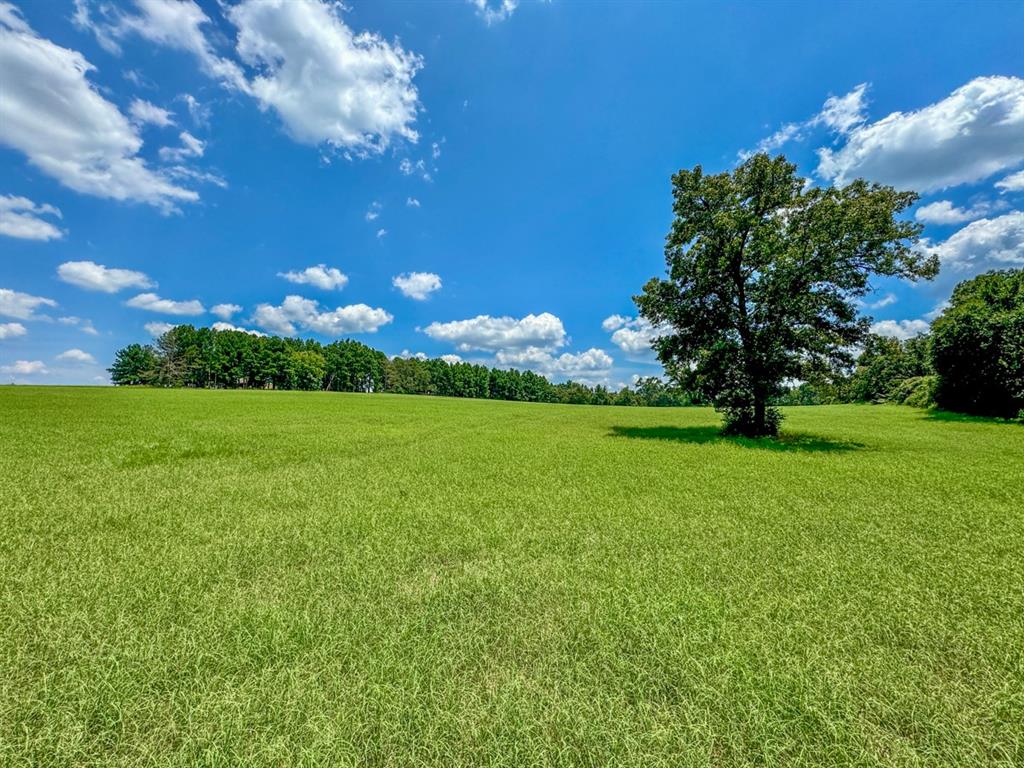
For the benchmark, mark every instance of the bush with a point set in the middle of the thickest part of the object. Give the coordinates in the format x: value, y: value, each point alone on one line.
x: 917, y: 391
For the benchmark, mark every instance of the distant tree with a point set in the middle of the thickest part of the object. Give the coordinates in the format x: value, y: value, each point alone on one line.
x: 134, y: 364
x: 763, y: 277
x: 884, y: 363
x: 978, y: 346
x: 306, y: 370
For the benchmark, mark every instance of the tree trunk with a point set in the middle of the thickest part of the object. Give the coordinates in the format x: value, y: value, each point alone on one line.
x: 760, y: 428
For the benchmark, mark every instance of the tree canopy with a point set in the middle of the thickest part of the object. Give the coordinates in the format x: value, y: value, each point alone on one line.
x: 978, y: 346
x: 763, y: 278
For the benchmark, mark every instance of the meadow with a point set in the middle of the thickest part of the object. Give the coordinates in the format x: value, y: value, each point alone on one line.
x: 258, y: 578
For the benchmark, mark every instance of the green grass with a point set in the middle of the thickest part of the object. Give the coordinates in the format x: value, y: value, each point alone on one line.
x: 269, y: 579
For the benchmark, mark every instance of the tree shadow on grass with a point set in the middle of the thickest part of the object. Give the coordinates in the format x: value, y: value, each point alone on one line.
x: 966, y: 418
x: 787, y: 441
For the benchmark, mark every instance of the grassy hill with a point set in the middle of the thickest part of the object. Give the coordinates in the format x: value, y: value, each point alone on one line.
x: 273, y: 578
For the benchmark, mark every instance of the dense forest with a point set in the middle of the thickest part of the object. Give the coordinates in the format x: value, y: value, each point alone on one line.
x: 972, y: 361
x: 186, y: 356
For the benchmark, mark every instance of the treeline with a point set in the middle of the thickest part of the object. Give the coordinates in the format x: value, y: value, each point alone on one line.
x: 186, y: 356
x: 971, y: 361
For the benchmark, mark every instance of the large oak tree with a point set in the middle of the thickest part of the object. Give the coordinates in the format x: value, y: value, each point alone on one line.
x: 763, y: 281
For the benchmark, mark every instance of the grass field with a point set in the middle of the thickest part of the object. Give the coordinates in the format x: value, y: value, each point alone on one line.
x: 271, y: 579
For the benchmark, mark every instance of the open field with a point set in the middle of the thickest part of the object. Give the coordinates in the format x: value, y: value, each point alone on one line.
x: 272, y: 578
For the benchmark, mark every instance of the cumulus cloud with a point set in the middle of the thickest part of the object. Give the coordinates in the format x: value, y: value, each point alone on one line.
x: 374, y: 211
x: 591, y: 365
x: 451, y: 359
x: 144, y: 112
x: 320, y: 276
x: 53, y: 115
x: 153, y: 303
x: 493, y: 11
x: 1012, y: 183
x: 381, y: 233
x: 900, y: 329
x: 328, y: 84
x: 944, y: 212
x: 225, y: 311
x: 412, y: 202
x: 76, y: 356
x: 96, y: 277
x: 405, y: 354
x: 25, y: 368
x: 296, y: 312
x: 996, y: 243
x: 20, y: 218
x: 22, y: 306
x: 222, y: 326
x: 633, y: 335
x: 158, y: 329
x: 11, y: 330
x: 973, y: 133
x: 493, y: 334
x: 417, y: 285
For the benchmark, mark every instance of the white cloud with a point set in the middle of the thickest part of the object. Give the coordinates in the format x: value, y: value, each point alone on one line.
x: 435, y: 150
x: 25, y: 368
x: 492, y: 334
x: 944, y: 212
x: 633, y: 335
x: 840, y: 114
x: 53, y: 115
x: 190, y: 147
x: 885, y: 301
x: 20, y: 218
x: 76, y: 356
x: 96, y: 277
x: 153, y: 303
x: 22, y: 306
x: 374, y: 211
x: 417, y: 285
x: 146, y: 113
x: 493, y: 11
x: 408, y: 168
x: 381, y: 233
x: 451, y: 359
x: 11, y: 330
x: 175, y: 24
x: 405, y: 354
x: 900, y: 329
x: 320, y: 276
x: 296, y: 312
x: 225, y: 311
x: 222, y: 326
x: 85, y: 326
x: 328, y: 84
x: 591, y: 365
x: 158, y: 329
x: 973, y: 133
x: 984, y: 244
x: 200, y: 113
x: 412, y: 202
x: 1012, y: 183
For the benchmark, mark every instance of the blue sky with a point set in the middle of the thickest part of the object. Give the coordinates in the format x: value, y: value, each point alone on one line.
x: 486, y: 181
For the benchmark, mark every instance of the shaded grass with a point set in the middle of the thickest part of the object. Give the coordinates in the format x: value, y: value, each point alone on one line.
x: 260, y: 578
x: 786, y: 441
